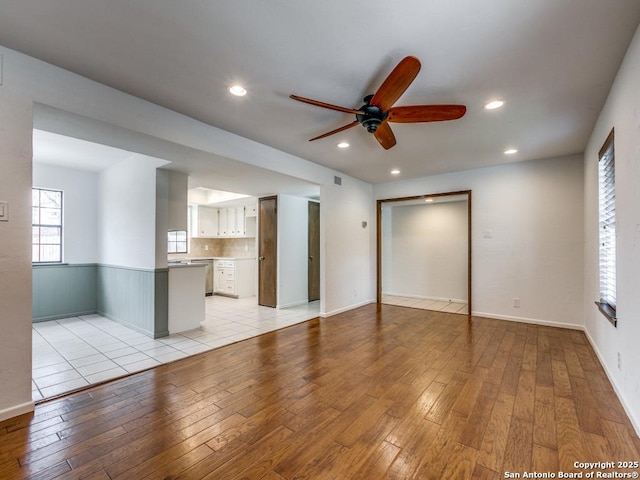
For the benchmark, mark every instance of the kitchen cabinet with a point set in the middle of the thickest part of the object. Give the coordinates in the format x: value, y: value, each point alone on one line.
x: 223, y: 222
x: 204, y: 221
x: 227, y: 222
x: 234, y: 277
x: 231, y: 222
x: 250, y: 211
x: 240, y: 227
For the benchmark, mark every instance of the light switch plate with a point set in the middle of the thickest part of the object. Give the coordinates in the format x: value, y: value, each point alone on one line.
x: 4, y: 211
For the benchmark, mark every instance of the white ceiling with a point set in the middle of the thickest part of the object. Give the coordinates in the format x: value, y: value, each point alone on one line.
x: 551, y: 61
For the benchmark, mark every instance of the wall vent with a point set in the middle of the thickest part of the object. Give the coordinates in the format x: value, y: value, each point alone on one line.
x: 337, y: 180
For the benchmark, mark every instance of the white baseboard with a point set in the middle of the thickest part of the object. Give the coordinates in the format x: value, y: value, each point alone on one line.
x: 533, y: 321
x: 426, y: 297
x: 346, y: 309
x: 634, y: 422
x: 16, y: 410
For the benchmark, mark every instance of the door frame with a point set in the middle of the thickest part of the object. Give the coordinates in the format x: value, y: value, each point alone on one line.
x: 261, y: 248
x: 418, y: 197
x: 310, y: 249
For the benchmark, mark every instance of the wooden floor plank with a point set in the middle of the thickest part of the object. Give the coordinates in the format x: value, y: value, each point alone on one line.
x: 494, y: 441
x: 378, y: 392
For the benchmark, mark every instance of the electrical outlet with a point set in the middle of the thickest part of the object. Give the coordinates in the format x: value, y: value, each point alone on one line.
x: 516, y: 303
x: 619, y: 361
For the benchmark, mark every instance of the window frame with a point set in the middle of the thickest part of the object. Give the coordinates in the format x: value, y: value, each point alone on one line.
x: 176, y: 242
x: 607, y: 260
x: 47, y: 225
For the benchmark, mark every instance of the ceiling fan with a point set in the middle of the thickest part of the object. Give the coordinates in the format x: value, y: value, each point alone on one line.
x: 378, y: 109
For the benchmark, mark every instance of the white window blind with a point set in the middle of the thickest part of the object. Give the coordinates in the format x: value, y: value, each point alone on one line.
x: 607, y: 220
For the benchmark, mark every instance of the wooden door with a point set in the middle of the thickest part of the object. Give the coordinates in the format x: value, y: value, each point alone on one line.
x: 267, y: 251
x: 314, y: 251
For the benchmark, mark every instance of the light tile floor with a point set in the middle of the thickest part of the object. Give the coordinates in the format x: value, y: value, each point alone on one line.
x: 439, y: 306
x: 75, y: 352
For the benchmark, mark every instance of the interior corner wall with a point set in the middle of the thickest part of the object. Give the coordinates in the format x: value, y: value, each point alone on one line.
x: 347, y: 277
x: 622, y: 112
x: 293, y: 246
x: 526, y: 238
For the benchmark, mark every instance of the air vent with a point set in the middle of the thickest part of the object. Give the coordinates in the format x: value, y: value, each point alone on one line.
x: 337, y: 180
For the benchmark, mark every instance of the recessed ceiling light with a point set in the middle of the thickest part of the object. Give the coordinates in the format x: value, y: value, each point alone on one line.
x: 428, y: 200
x: 237, y: 90
x: 343, y: 145
x: 511, y: 151
x: 395, y: 171
x: 494, y: 104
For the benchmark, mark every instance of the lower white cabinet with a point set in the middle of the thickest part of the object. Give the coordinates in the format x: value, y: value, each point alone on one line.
x: 234, y: 277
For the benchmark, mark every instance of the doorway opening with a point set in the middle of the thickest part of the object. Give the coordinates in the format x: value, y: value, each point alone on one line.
x: 424, y: 251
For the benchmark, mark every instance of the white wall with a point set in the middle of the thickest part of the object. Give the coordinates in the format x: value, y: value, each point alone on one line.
x: 293, y: 246
x: 533, y: 211
x: 15, y: 254
x: 127, y: 214
x: 178, y: 186
x: 80, y: 209
x: 27, y: 81
x: 622, y: 112
x: 347, y: 275
x: 426, y: 251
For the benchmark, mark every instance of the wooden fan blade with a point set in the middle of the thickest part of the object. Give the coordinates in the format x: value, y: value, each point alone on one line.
x: 385, y: 136
x: 337, y: 130
x: 425, y: 113
x: 396, y: 83
x: 325, y: 105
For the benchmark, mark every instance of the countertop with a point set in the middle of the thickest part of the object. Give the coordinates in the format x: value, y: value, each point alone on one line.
x: 183, y: 265
x: 190, y: 259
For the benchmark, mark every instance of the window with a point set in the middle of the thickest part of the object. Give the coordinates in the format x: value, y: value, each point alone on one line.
x: 177, y: 242
x: 607, y: 228
x: 46, y: 215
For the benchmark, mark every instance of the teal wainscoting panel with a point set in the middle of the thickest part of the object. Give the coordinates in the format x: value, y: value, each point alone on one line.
x: 130, y: 296
x: 162, y: 303
x: 63, y: 290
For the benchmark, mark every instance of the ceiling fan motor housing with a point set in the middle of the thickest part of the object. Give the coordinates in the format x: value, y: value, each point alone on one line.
x: 371, y: 116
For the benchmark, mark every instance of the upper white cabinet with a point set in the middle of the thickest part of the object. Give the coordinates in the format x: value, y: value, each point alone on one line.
x: 224, y: 222
x: 207, y: 222
x: 240, y: 222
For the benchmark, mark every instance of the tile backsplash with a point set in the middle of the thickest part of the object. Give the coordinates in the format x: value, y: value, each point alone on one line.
x: 220, y: 247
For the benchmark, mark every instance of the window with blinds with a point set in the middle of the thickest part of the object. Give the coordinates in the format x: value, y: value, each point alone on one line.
x: 46, y: 243
x: 607, y: 227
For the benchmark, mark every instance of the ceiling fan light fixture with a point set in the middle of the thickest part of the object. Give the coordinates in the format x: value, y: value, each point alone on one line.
x: 343, y: 145
x: 493, y: 104
x: 237, y: 90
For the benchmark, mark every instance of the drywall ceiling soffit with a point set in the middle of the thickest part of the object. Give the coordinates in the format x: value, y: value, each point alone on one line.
x: 72, y: 141
x: 552, y: 61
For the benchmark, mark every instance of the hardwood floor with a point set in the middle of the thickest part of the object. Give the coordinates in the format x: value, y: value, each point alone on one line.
x: 381, y: 392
